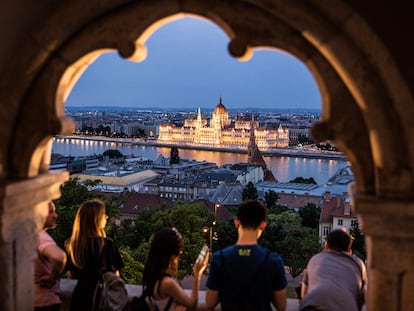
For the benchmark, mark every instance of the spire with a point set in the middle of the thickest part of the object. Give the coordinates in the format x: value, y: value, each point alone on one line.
x: 254, y: 157
x: 199, y: 114
x: 252, y: 141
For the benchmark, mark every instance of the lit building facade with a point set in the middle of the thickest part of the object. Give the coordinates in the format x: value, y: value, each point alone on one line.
x: 220, y: 132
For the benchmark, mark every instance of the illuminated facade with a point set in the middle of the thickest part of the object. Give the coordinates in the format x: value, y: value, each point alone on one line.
x: 220, y: 132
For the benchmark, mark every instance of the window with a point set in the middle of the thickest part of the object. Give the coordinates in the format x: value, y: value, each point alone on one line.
x: 340, y: 222
x: 325, y: 230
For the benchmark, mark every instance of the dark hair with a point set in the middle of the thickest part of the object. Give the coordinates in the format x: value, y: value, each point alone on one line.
x: 339, y: 240
x: 165, y: 244
x: 251, y: 213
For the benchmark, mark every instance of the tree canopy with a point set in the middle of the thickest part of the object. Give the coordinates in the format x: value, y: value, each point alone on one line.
x: 249, y: 192
x: 271, y: 198
x: 310, y: 215
x: 113, y: 153
x: 174, y: 156
x: 284, y: 234
x: 301, y: 180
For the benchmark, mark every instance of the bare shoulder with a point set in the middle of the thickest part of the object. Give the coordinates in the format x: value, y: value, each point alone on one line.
x: 168, y: 286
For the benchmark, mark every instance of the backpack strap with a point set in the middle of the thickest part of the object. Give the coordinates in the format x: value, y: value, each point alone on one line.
x: 145, y: 293
x: 170, y: 301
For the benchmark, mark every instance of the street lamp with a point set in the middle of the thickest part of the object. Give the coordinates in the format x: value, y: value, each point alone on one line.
x: 210, y: 230
x: 213, y: 233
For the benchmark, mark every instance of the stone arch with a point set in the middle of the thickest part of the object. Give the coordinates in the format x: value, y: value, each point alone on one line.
x: 349, y: 72
x: 366, y: 103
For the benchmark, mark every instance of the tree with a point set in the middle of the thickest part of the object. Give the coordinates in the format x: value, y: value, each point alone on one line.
x: 301, y: 180
x: 358, y: 245
x: 196, y: 216
x: 285, y: 235
x: 271, y: 198
x: 174, y: 156
x: 133, y: 268
x: 250, y: 192
x: 310, y: 215
x: 113, y: 153
x: 73, y: 195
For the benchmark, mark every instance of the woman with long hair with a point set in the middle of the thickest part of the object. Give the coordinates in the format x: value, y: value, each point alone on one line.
x: 90, y: 253
x: 160, y: 270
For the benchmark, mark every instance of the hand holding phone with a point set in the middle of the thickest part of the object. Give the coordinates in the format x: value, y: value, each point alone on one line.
x: 203, y: 254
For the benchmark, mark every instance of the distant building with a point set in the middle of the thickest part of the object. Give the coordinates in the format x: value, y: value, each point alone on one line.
x: 73, y: 164
x: 336, y: 213
x: 219, y: 132
x: 292, y: 195
x: 117, y: 179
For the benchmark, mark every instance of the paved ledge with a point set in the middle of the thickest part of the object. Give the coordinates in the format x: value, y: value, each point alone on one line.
x: 67, y: 286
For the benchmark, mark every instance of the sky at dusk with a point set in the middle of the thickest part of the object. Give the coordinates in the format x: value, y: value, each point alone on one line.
x: 188, y: 66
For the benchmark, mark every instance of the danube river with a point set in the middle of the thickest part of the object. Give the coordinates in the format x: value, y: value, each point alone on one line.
x: 283, y: 168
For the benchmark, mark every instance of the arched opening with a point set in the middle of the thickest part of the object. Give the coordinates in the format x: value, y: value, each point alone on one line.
x: 361, y: 92
x: 194, y: 71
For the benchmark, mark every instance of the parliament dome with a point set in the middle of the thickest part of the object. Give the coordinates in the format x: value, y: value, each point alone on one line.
x: 220, y: 108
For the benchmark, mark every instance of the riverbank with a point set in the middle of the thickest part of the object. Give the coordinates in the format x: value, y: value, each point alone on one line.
x: 298, y: 152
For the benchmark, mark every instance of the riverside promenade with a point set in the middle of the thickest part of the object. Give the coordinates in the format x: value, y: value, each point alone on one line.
x: 299, y: 152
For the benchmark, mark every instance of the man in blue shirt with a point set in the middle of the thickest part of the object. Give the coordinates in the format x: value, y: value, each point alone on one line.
x: 246, y: 276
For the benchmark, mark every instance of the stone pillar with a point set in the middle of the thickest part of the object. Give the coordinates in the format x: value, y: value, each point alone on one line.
x: 388, y: 225
x: 23, y: 208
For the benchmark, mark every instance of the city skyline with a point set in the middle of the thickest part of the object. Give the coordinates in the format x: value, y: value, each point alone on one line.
x: 188, y: 66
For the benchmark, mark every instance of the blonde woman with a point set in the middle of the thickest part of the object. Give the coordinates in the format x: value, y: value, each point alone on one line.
x: 90, y: 253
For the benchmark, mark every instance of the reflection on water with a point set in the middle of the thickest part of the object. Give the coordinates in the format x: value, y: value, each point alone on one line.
x: 283, y: 168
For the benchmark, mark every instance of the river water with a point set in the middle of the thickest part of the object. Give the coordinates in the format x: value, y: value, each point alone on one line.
x: 283, y: 168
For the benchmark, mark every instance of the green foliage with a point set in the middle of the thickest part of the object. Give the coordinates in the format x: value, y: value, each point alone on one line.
x: 310, y: 215
x: 278, y: 209
x: 226, y: 233
x: 249, y: 192
x: 174, y: 156
x: 284, y: 232
x: 358, y: 246
x: 298, y: 247
x: 285, y: 235
x: 73, y: 195
x: 137, y: 233
x: 301, y: 180
x: 271, y: 198
x: 113, y: 153
x: 133, y: 268
x: 189, y: 219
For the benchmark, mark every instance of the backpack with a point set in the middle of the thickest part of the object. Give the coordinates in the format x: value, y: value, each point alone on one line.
x: 143, y: 303
x: 110, y: 293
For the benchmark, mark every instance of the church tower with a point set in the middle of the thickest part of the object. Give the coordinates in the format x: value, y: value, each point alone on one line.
x: 254, y: 157
x: 252, y: 141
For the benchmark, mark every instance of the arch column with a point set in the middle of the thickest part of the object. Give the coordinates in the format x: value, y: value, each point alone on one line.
x: 23, y: 208
x: 387, y: 225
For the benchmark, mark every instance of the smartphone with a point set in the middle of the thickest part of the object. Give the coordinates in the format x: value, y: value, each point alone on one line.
x: 203, y: 253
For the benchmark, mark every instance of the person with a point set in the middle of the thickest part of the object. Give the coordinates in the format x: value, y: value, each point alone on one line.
x: 160, y: 270
x: 90, y: 253
x: 334, y: 278
x: 246, y: 276
x: 48, y: 266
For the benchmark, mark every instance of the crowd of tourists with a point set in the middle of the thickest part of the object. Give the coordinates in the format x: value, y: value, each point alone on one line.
x: 243, y: 276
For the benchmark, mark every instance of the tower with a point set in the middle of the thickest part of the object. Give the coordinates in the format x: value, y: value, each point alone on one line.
x: 254, y: 157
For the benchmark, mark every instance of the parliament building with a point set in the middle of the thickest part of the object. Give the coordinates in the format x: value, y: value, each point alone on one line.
x: 221, y: 132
